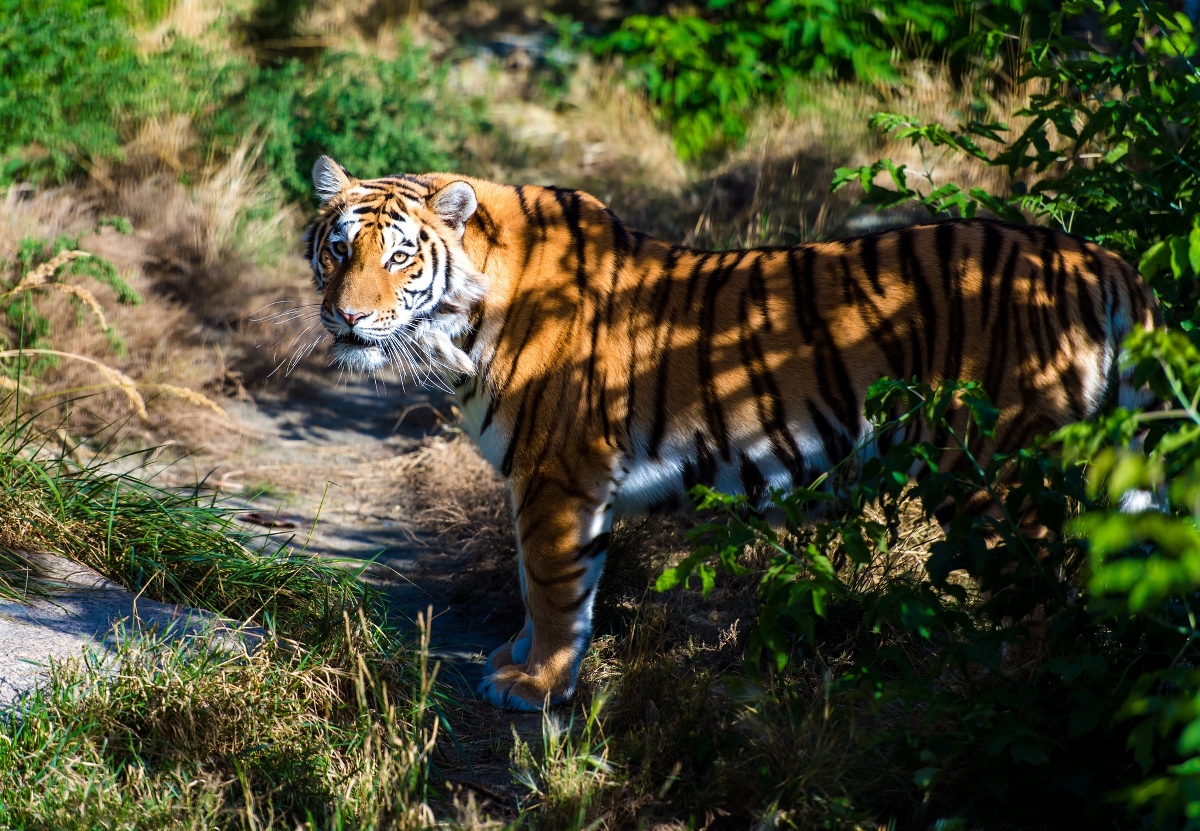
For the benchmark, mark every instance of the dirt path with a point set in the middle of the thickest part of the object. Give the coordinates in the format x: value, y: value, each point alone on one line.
x: 349, y: 470
x: 383, y: 475
x: 346, y: 469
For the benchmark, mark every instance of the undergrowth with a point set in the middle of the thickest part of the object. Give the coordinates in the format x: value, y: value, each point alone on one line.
x: 207, y: 736
x: 325, y: 719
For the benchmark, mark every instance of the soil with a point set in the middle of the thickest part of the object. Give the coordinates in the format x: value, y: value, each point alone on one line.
x: 380, y: 476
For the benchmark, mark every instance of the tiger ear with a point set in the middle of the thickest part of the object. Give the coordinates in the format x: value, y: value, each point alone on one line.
x: 330, y: 178
x: 455, y: 204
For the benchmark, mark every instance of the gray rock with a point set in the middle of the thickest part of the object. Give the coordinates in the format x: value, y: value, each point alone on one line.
x: 86, y: 612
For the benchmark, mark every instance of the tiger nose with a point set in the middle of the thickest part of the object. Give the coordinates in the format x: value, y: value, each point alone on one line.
x: 350, y: 316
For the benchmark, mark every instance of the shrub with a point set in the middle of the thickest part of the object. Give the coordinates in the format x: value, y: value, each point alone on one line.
x: 70, y: 77
x: 706, y: 70
x: 1024, y: 679
x: 71, y: 82
x: 375, y: 116
x: 1110, y: 146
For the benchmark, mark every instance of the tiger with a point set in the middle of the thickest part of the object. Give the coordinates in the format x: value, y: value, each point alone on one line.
x: 604, y: 372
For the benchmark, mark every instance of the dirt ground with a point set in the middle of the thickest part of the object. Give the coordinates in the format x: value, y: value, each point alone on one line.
x: 347, y: 468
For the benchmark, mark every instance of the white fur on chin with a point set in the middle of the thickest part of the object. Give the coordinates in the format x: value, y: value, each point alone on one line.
x: 359, y: 358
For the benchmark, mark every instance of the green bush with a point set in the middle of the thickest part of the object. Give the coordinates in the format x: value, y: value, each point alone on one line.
x: 72, y: 84
x: 1111, y: 145
x: 1026, y: 680
x: 70, y: 78
x: 375, y: 116
x: 705, y: 71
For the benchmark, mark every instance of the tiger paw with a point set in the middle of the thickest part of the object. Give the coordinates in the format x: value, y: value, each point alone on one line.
x: 515, y: 651
x: 501, y: 657
x: 511, y: 688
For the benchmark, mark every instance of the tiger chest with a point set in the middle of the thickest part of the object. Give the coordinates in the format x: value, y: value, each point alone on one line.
x: 475, y: 402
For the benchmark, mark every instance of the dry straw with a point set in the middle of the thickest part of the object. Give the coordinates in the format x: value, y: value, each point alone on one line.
x: 42, y: 277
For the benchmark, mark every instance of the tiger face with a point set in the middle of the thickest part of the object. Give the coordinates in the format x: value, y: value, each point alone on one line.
x: 387, y: 256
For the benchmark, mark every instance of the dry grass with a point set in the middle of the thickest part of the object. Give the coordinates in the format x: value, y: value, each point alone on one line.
x: 202, y: 736
x: 600, y: 137
x: 205, y: 259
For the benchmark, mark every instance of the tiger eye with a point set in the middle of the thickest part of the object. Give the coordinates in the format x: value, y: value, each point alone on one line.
x: 399, y: 258
x: 339, y: 248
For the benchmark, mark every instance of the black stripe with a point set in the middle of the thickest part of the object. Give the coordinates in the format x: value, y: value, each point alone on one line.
x: 702, y: 471
x: 603, y: 405
x: 1073, y: 386
x: 868, y: 251
x: 590, y: 550
x: 799, y: 297
x: 473, y: 326
x: 593, y: 353
x: 713, y: 411
x: 771, y: 413
x: 754, y: 484
x: 993, y: 243
x: 944, y: 237
x: 574, y: 605
x: 914, y: 352
x: 912, y: 272
x: 523, y: 203
x: 997, y: 367
x: 568, y: 200
x: 837, y: 446
x: 660, y: 357
x: 632, y: 339
x: 514, y: 437
x: 620, y: 246
x: 1048, y: 255
x: 758, y: 290
x: 848, y: 286
x: 702, y: 258
x: 1087, y: 310
x: 882, y: 332
x: 1035, y: 319
x: 567, y: 577
x: 832, y: 377
x: 494, y: 403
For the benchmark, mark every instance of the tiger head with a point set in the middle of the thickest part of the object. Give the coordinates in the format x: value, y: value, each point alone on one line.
x: 387, y: 256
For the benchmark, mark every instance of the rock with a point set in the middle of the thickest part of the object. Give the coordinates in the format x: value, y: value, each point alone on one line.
x: 86, y: 611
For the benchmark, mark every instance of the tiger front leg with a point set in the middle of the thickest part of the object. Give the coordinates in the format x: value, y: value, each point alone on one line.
x: 562, y: 540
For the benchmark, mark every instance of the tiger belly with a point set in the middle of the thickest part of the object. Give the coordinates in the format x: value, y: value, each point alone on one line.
x: 753, y: 469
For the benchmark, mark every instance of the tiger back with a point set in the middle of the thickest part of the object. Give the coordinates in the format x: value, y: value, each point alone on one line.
x: 602, y: 371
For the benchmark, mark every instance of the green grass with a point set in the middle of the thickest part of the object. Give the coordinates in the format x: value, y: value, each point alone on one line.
x: 208, y: 737
x: 328, y: 723
x: 170, y: 546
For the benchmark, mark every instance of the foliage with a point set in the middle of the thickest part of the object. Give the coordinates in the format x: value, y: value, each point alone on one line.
x: 1111, y: 146
x: 705, y: 71
x: 43, y: 267
x: 70, y: 77
x: 72, y: 84
x: 1146, y: 567
x: 1048, y: 646
x: 374, y: 115
x: 984, y: 661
